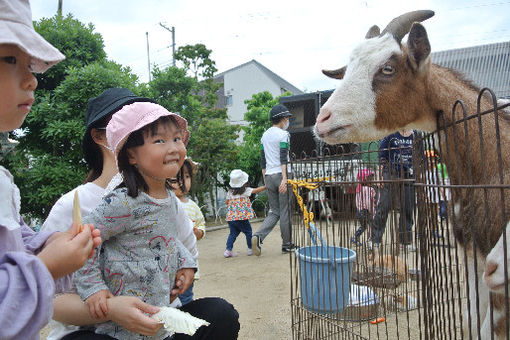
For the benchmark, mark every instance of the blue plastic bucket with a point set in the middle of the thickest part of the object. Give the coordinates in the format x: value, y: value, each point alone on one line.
x: 325, y: 277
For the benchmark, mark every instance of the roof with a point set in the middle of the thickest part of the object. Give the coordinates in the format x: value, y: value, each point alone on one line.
x: 486, y: 65
x: 276, y: 78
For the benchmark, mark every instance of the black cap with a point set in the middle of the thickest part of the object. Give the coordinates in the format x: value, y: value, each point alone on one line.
x: 107, y: 103
x: 279, y: 111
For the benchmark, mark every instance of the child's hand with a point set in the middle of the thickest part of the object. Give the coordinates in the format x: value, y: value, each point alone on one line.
x: 96, y: 303
x: 133, y: 314
x: 198, y: 233
x: 183, y: 279
x: 66, y: 252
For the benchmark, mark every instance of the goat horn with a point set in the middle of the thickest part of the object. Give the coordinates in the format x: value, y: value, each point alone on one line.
x: 337, y: 74
x: 401, y: 25
x: 374, y: 31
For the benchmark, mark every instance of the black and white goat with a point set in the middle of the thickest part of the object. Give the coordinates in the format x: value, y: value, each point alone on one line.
x: 388, y: 86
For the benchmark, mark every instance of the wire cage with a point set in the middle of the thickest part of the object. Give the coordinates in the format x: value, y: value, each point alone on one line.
x: 395, y: 289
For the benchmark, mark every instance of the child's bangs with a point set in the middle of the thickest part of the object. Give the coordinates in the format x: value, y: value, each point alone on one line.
x: 165, y: 122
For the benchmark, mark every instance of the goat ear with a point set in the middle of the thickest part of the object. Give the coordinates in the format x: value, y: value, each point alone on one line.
x: 418, y: 47
x: 336, y: 74
x: 374, y: 31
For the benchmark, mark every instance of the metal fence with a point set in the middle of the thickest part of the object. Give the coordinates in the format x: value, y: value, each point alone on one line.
x: 394, y: 291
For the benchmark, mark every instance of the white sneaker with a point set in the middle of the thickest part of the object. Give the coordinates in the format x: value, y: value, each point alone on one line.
x: 229, y: 253
x: 249, y: 252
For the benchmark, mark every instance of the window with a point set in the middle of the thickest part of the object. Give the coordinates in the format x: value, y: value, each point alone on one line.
x: 228, y: 100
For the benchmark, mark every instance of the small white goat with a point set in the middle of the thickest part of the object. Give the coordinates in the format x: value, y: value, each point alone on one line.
x: 388, y: 86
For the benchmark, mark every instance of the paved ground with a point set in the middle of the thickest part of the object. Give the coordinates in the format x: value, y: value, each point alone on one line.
x: 258, y: 287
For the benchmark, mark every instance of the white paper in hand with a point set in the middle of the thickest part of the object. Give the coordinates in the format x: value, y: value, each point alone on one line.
x: 177, y: 321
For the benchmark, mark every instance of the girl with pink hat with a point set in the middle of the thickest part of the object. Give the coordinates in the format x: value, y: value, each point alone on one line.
x: 141, y: 254
x: 30, y: 263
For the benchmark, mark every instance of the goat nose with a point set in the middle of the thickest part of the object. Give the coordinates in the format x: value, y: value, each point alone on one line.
x: 324, y: 115
x: 490, y: 267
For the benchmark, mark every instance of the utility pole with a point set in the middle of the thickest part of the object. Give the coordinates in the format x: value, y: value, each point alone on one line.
x: 171, y: 30
x: 59, y: 10
x: 148, y: 57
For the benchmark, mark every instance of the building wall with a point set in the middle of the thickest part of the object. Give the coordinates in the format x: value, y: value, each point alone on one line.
x: 241, y: 84
x: 485, y: 65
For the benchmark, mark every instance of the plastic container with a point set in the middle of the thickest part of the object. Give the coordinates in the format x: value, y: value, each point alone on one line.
x: 325, y: 277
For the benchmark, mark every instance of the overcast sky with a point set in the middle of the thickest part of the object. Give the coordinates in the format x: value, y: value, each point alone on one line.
x: 293, y: 38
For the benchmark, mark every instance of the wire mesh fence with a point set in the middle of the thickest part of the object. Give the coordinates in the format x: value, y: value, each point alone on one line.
x: 417, y: 273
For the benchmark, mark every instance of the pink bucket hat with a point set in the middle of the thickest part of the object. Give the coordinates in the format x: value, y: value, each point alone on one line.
x: 16, y: 28
x: 135, y: 116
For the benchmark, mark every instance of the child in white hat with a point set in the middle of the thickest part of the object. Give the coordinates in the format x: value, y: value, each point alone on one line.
x: 239, y: 210
x: 30, y: 262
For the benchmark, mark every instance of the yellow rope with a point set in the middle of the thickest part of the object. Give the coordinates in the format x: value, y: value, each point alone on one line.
x: 310, y: 184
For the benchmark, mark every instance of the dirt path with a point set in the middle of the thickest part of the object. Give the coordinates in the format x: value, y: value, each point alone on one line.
x: 258, y: 287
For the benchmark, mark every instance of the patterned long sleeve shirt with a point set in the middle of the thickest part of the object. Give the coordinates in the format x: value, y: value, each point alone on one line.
x: 140, y: 253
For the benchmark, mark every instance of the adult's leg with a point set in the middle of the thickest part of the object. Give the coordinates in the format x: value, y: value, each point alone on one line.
x: 381, y: 214
x: 285, y: 226
x: 273, y: 197
x: 234, y: 232
x: 245, y: 227
x: 222, y: 316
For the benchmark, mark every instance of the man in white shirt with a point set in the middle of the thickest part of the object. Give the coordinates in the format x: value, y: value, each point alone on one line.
x: 274, y: 159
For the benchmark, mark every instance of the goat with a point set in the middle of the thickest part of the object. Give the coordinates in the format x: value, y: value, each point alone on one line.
x: 389, y: 86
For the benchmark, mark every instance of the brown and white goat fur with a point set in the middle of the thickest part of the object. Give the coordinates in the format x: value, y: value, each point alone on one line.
x: 389, y: 86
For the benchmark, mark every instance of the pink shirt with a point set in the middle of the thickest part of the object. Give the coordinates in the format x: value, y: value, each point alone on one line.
x: 365, y: 198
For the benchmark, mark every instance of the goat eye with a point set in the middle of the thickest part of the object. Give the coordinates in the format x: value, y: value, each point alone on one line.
x: 387, y: 69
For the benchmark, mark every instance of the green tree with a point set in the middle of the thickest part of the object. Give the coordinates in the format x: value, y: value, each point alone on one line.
x: 77, y: 41
x: 48, y: 159
x: 197, y: 60
x: 257, y: 116
x: 173, y: 89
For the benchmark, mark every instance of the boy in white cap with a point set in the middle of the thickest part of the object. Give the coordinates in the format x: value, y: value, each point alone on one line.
x: 29, y: 262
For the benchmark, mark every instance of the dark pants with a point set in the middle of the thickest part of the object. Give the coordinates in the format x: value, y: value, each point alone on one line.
x: 366, y: 220
x: 442, y: 209
x: 223, y: 319
x: 237, y: 227
x: 404, y: 193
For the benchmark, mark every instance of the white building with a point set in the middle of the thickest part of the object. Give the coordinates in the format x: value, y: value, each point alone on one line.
x: 242, y: 82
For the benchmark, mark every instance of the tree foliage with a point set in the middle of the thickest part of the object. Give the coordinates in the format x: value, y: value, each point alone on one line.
x: 197, y: 60
x: 257, y: 116
x: 48, y: 159
x: 78, y: 42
